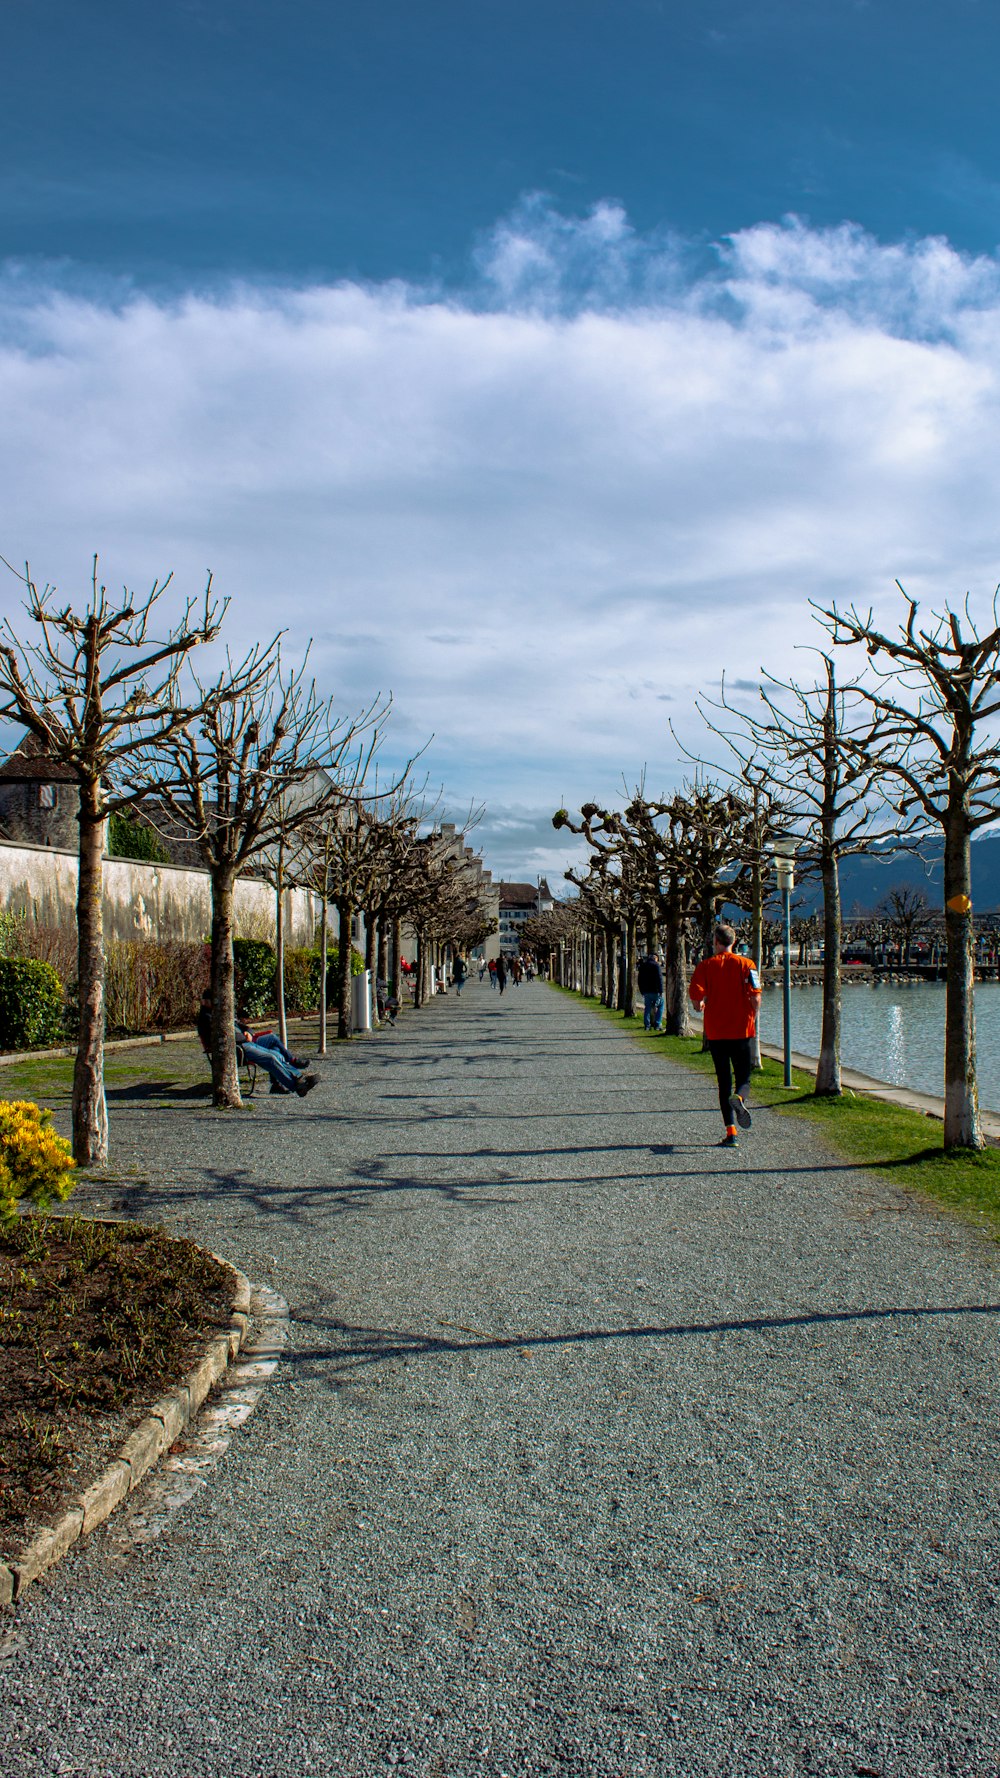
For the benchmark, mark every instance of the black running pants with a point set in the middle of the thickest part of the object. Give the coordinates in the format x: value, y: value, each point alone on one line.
x: 731, y: 1055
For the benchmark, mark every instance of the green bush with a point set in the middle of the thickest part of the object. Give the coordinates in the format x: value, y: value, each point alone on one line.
x: 302, y: 972
x: 255, y: 964
x: 31, y: 1003
x: 13, y: 930
x: 133, y: 839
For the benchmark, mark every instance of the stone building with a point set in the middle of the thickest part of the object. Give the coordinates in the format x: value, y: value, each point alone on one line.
x: 520, y: 902
x: 39, y: 799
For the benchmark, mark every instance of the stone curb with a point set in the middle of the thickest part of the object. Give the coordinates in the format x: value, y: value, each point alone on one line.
x: 144, y: 1447
x: 9, y: 1057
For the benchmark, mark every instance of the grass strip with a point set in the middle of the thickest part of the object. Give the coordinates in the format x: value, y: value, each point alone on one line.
x: 891, y: 1140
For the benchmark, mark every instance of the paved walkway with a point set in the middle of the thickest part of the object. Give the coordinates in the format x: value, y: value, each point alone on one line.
x: 597, y: 1450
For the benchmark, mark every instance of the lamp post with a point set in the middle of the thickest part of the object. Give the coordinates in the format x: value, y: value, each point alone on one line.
x: 783, y: 848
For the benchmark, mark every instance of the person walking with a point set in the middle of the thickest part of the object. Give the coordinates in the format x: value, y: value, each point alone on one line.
x: 728, y: 988
x: 501, y: 974
x: 650, y: 978
x: 493, y: 972
x: 458, y: 973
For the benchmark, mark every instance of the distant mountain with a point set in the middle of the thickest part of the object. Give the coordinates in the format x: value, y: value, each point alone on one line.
x: 867, y: 880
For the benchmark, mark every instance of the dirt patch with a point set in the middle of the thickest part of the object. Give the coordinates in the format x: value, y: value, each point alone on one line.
x: 96, y: 1320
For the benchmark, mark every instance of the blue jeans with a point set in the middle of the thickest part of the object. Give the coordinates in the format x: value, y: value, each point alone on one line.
x: 269, y: 1053
x: 652, y: 1017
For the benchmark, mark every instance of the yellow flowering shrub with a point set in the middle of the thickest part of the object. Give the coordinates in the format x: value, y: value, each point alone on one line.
x: 35, y: 1163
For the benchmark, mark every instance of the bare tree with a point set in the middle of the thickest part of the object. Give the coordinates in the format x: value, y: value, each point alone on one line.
x: 263, y: 763
x: 816, y: 745
x: 936, y: 696
x: 95, y: 685
x: 907, y: 913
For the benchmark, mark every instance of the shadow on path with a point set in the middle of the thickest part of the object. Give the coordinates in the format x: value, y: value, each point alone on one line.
x: 375, y: 1345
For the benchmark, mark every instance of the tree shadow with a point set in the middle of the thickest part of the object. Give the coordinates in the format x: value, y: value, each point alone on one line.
x: 362, y: 1347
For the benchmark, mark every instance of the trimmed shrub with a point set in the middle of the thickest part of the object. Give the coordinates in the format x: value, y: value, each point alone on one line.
x: 302, y: 970
x: 13, y: 929
x: 255, y: 964
x: 31, y: 1003
x: 35, y: 1163
x: 153, y: 986
x: 51, y: 944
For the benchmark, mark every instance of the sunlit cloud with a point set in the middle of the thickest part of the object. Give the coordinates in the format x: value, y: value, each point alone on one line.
x: 546, y: 509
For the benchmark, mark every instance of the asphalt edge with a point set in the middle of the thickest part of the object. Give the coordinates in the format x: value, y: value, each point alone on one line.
x: 142, y: 1450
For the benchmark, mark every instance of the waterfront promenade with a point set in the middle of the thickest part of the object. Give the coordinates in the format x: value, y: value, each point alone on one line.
x: 595, y: 1450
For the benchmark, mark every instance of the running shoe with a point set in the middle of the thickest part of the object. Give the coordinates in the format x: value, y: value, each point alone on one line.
x: 740, y: 1112
x: 729, y: 1141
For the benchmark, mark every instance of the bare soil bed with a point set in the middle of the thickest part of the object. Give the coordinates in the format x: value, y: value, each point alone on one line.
x: 96, y: 1320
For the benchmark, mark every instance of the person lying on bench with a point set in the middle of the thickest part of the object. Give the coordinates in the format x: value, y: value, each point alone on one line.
x: 261, y: 1050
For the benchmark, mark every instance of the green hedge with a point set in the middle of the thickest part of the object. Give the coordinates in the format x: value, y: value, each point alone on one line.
x: 255, y: 963
x: 256, y: 967
x: 31, y: 1003
x: 302, y: 976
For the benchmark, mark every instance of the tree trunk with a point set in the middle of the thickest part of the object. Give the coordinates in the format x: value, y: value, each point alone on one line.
x: 756, y: 925
x: 827, y: 1082
x: 371, y: 935
x: 90, y: 1109
x: 279, y: 945
x: 418, y: 974
x: 382, y: 953
x: 345, y: 916
x: 677, y: 1012
x: 225, y: 1071
x: 631, y: 932
x: 324, y: 924
x: 397, y: 951
x: 611, y: 944
x: 962, y: 1127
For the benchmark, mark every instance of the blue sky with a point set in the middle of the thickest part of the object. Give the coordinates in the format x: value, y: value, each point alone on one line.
x: 537, y: 359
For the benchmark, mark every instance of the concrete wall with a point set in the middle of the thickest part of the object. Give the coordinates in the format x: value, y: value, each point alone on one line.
x: 160, y: 901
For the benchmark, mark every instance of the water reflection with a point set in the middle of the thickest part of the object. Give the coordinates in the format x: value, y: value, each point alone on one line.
x: 895, y: 1049
x: 894, y: 1033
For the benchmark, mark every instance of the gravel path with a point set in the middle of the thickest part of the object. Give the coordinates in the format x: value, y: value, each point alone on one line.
x: 597, y: 1450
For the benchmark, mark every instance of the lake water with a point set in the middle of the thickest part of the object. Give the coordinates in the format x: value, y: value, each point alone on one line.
x: 893, y: 1033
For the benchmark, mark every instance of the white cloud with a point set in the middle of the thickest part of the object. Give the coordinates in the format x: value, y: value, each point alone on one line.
x: 538, y: 508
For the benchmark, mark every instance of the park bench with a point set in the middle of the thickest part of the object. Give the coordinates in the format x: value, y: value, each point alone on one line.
x: 247, y: 1069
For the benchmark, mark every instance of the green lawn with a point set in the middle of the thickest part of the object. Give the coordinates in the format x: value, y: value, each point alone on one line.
x: 898, y: 1144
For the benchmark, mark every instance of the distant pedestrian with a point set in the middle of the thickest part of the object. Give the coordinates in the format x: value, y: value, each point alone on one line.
x: 501, y: 973
x: 493, y: 972
x: 515, y: 971
x: 650, y: 977
x: 482, y: 968
x: 728, y: 987
x: 458, y: 973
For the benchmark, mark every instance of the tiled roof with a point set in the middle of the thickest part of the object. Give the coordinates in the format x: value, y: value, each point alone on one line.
x: 517, y: 895
x: 29, y: 761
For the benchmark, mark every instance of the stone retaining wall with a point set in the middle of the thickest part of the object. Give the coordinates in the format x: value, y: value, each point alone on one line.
x: 162, y: 901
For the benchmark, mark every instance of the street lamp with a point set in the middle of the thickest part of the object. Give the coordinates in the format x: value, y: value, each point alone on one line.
x: 783, y: 848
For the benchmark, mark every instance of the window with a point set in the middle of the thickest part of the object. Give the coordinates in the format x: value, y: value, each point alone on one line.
x: 46, y: 796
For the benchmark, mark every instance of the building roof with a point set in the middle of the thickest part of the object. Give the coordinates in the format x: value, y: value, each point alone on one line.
x: 30, y: 762
x: 518, y: 895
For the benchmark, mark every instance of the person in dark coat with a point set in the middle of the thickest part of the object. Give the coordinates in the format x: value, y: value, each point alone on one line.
x: 650, y: 977
x: 501, y: 972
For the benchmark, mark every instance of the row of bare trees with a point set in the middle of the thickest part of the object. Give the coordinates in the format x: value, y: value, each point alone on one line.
x: 252, y: 764
x: 904, y: 751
